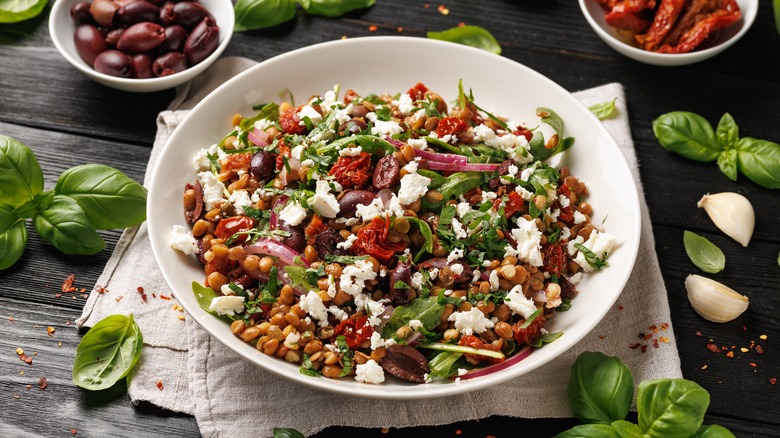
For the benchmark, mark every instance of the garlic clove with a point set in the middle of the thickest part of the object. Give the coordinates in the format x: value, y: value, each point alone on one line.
x: 714, y: 301
x: 732, y: 213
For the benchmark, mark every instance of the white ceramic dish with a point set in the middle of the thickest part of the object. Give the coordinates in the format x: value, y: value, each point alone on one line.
x: 594, y: 13
x: 499, y: 85
x: 61, y: 28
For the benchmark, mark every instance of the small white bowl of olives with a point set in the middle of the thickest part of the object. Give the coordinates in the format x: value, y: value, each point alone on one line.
x: 141, y: 45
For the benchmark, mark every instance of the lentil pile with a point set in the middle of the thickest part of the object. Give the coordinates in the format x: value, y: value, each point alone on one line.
x: 367, y: 235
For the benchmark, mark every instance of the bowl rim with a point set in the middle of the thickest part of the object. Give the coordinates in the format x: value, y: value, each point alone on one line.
x: 747, y: 23
x: 631, y: 242
x: 149, y: 84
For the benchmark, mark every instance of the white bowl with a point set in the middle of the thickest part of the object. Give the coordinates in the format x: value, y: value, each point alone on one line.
x: 499, y: 85
x: 595, y: 15
x: 62, y: 27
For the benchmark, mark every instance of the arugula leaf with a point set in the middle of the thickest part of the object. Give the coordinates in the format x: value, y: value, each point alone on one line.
x: 545, y: 339
x: 446, y: 364
x: 447, y: 214
x: 427, y: 234
x: 299, y: 276
x: 473, y: 36
x: 344, y: 260
x: 268, y: 111
x: 400, y: 285
x: 426, y: 310
x: 537, y: 143
x: 287, y: 433
x: 307, y: 368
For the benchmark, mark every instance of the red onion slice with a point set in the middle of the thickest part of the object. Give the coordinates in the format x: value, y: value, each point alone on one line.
x: 468, y: 167
x: 284, y: 254
x: 522, y: 354
x: 441, y: 158
x: 259, y: 138
x: 274, y: 221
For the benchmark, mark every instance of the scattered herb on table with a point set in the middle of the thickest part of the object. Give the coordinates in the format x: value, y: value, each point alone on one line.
x: 107, y: 352
x: 86, y: 198
x: 261, y: 14
x: 13, y: 11
x: 777, y: 15
x: 473, y: 36
x: 604, y: 110
x: 600, y: 393
x: 703, y: 253
x: 692, y: 136
x: 287, y: 433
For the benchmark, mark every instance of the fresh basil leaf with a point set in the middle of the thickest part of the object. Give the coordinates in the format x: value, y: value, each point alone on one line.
x: 671, y: 408
x: 473, y: 36
x: 545, y: 339
x: 107, y: 352
x: 298, y: 276
x: 604, y: 110
x: 13, y: 11
x: 537, y: 143
x: 590, y: 431
x: 65, y: 225
x: 13, y: 237
x: 427, y: 234
x: 627, y: 429
x: 426, y: 310
x: 759, y: 160
x: 287, y: 433
x: 727, y: 163
x: 259, y: 14
x: 334, y: 8
x: 687, y: 134
x: 108, y: 197
x: 444, y: 364
x: 776, y: 4
x: 727, y: 132
x: 713, y: 431
x: 703, y: 253
x: 20, y: 174
x: 204, y: 295
x: 600, y: 388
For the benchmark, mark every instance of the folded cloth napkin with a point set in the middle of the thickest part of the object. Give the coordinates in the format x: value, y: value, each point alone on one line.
x: 229, y: 396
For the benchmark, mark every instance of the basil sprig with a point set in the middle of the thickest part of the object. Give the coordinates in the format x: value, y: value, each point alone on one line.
x: 703, y: 253
x: 86, y: 198
x: 604, y: 110
x: 473, y: 36
x: 261, y: 14
x: 107, y: 352
x: 692, y: 136
x: 13, y: 11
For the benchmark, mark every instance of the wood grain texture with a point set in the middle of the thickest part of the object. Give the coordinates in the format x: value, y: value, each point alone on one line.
x: 67, y: 120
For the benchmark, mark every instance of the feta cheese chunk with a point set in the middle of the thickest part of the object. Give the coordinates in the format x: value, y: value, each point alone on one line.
x: 181, y: 239
x: 308, y: 111
x: 369, y: 372
x: 323, y: 200
x: 404, y: 103
x: 579, y: 218
x: 382, y: 128
x: 413, y: 187
x: 518, y: 303
x: 227, y: 305
x: 292, y: 214
x: 240, y: 199
x: 213, y: 189
x: 470, y: 322
x: 600, y: 244
x: 528, y: 238
x: 312, y: 304
x: 351, y: 152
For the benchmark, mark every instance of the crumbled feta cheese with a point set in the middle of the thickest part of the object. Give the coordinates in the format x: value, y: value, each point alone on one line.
x: 347, y: 244
x: 554, y: 214
x: 200, y: 160
x: 579, y: 218
x: 417, y: 280
x: 351, y: 152
x: 394, y: 207
x: 354, y: 277
x: 417, y: 143
x: 518, y: 303
x: 292, y: 338
x: 292, y: 213
x: 240, y: 199
x: 456, y: 254
x: 297, y: 152
x: 213, y: 189
x: 411, y: 167
x: 331, y: 286
x: 373, y: 309
x: 488, y: 196
x: 337, y: 312
x: 471, y: 321
x: 457, y: 228
x: 413, y: 187
x: 369, y: 372
x: 226, y: 290
x: 343, y: 115
x: 565, y: 232
x: 463, y: 209
x: 404, y: 103
x: 462, y: 371
x: 368, y: 212
x: 181, y: 239
x: 576, y: 278
x: 512, y: 170
x: 323, y: 200
x: 601, y: 244
x: 493, y: 280
x: 378, y: 342
x: 329, y: 98
x: 227, y: 305
x: 382, y: 128
x: 311, y: 303
x: 263, y: 124
x: 415, y: 324
x: 564, y: 201
x: 308, y: 111
x: 457, y: 268
x: 528, y: 238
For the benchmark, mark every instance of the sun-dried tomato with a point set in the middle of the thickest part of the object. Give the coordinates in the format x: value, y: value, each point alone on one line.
x: 566, y: 216
x: 284, y: 151
x: 418, y: 91
x: 223, y: 265
x: 236, y: 162
x: 315, y: 227
x: 665, y: 18
x: 528, y: 334
x: 554, y: 258
x: 450, y: 126
x: 229, y: 226
x: 352, y: 172
x: 527, y: 133
x: 290, y: 122
x: 475, y: 342
x: 513, y: 205
x: 372, y: 240
x: 355, y: 331
x: 703, y: 29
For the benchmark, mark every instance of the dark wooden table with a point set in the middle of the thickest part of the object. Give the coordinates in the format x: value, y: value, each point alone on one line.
x: 68, y: 120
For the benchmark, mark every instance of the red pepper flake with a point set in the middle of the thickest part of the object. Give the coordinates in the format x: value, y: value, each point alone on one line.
x: 119, y: 298
x: 50, y: 331
x: 752, y: 364
x: 385, y: 430
x: 664, y: 339
x: 641, y: 336
x: 653, y: 328
x: 73, y: 431
x: 154, y: 295
x: 724, y: 348
x: 399, y: 29
x: 664, y: 326
x: 655, y: 343
x: 730, y: 354
x: 67, y: 285
x: 140, y: 290
x: 57, y: 295
x: 160, y: 385
x: 621, y: 307
x: 458, y: 432
x: 772, y: 380
x: 602, y: 336
x: 427, y: 5
x: 100, y: 289
x: 43, y: 383
x: 443, y: 10
x: 759, y: 349
x: 713, y: 348
x: 633, y: 346
x: 644, y: 348
x: 11, y: 318
x: 372, y: 28
x: 698, y: 333
x: 26, y: 359
x: 648, y: 336
x: 165, y: 297
x: 744, y: 328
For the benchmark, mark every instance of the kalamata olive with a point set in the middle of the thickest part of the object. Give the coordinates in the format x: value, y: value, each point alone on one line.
x: 166, y: 13
x: 189, y: 14
x: 114, y: 63
x: 326, y: 243
x: 202, y: 41
x: 175, y: 36
x: 135, y: 12
x: 355, y: 126
x: 441, y: 262
x: 89, y: 42
x: 113, y: 37
x: 400, y: 296
x: 124, y: 2
x: 503, y: 168
x: 386, y: 172
x: 406, y: 363
x: 350, y: 200
x: 103, y: 11
x: 80, y: 14
x: 169, y: 63
x: 193, y: 215
x: 567, y: 288
x: 141, y: 37
x: 359, y: 110
x: 262, y: 165
x: 296, y: 240
x: 142, y: 69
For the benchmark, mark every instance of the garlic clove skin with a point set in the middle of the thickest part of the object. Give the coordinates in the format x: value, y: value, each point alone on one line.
x: 732, y: 213
x: 714, y: 301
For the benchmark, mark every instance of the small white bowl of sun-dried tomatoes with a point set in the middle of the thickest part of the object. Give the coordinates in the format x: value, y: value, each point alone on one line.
x: 670, y: 32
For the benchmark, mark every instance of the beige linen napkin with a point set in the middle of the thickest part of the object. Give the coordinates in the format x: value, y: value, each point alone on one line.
x: 229, y: 396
